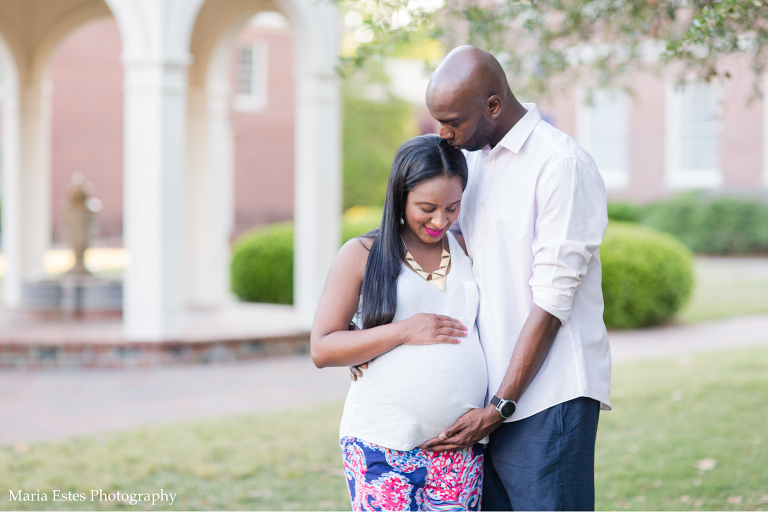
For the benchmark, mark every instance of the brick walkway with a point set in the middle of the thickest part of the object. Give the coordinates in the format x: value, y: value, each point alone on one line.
x: 49, y: 404
x: 745, y: 331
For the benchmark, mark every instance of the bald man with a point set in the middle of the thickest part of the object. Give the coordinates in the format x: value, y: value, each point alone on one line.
x: 533, y: 216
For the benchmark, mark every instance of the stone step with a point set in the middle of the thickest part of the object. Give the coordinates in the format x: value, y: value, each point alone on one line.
x: 30, y: 355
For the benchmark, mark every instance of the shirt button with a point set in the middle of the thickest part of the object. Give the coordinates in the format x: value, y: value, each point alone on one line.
x: 482, y: 203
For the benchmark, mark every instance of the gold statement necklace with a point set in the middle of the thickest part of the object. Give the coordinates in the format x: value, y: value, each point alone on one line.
x: 436, y: 278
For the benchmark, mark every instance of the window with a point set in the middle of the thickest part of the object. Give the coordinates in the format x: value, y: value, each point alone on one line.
x: 692, y: 151
x: 602, y: 129
x: 251, y: 76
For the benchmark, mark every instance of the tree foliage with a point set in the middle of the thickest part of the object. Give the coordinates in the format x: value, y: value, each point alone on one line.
x: 598, y: 42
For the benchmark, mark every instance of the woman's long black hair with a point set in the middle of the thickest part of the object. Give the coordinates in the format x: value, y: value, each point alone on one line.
x: 419, y: 159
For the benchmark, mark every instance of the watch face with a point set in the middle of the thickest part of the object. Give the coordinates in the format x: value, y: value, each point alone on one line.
x: 508, y: 409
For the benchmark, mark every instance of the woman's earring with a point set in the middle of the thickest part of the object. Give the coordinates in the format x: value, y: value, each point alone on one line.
x: 401, y: 221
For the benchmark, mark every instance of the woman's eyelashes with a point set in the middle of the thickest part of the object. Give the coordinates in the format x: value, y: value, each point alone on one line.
x: 432, y: 210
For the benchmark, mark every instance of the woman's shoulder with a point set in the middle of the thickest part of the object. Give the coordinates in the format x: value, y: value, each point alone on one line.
x: 354, y: 254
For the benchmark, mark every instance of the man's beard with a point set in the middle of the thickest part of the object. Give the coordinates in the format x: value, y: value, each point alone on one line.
x: 481, y: 137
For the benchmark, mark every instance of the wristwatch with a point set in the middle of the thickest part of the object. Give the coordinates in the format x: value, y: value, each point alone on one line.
x: 506, y: 408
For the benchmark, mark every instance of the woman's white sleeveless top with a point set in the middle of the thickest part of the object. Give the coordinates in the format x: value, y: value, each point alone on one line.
x: 410, y: 394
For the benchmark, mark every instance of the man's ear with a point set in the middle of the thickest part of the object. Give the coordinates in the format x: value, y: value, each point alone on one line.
x: 493, y: 104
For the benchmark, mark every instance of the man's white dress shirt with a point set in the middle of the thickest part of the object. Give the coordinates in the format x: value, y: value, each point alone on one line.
x: 533, y: 216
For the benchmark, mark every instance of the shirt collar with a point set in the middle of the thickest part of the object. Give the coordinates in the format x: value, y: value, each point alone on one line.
x: 516, y: 137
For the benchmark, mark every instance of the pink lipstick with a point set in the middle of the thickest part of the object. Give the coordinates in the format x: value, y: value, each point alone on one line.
x: 433, y: 232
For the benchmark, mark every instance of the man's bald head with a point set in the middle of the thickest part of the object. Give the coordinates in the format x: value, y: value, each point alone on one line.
x: 470, y: 97
x: 469, y: 72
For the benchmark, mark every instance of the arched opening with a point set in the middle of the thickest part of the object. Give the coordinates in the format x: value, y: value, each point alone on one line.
x: 240, y: 145
x: 263, y: 140
x: 31, y: 31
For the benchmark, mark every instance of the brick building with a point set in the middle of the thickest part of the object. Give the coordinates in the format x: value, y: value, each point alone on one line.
x: 663, y: 139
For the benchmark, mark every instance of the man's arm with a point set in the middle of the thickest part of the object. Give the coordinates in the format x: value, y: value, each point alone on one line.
x: 532, y: 347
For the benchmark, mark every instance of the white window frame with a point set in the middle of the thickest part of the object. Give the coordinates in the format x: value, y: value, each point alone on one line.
x: 614, y: 179
x: 257, y: 99
x: 675, y: 177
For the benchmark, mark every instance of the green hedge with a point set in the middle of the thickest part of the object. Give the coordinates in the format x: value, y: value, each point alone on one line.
x: 706, y: 224
x: 262, y: 259
x: 647, y: 276
x: 625, y: 212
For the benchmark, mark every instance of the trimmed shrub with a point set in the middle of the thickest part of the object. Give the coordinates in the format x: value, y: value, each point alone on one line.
x: 647, y: 276
x: 262, y: 259
x: 262, y: 265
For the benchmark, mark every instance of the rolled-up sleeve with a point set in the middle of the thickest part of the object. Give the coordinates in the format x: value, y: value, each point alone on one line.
x: 571, y: 218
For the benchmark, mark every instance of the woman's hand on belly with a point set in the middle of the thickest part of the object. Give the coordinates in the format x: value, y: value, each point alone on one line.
x: 422, y: 329
x: 430, y: 329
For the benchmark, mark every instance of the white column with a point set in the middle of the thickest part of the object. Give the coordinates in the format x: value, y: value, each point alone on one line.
x: 210, y: 187
x: 317, y: 201
x: 765, y: 132
x: 27, y: 184
x: 154, y: 124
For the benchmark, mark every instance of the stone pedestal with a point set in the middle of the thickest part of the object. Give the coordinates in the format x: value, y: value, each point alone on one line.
x: 73, y: 296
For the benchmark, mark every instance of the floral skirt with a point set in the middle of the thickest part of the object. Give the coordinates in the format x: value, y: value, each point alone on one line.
x: 382, y: 479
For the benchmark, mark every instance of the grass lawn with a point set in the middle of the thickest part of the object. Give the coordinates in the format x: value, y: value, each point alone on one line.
x: 674, y: 419
x: 669, y: 417
x: 727, y: 287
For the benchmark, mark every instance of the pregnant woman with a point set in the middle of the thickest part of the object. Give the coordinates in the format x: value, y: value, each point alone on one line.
x: 404, y: 300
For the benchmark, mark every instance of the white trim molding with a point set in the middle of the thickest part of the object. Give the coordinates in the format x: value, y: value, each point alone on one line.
x: 678, y: 173
x: 602, y: 128
x: 255, y: 99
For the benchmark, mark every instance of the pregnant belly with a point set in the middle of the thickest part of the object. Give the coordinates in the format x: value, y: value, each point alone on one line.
x: 419, y: 391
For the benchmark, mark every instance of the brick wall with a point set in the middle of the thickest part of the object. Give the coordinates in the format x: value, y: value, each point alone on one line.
x: 87, y: 121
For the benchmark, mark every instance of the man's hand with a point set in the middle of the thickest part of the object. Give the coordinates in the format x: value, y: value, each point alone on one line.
x: 470, y: 428
x: 357, y: 371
